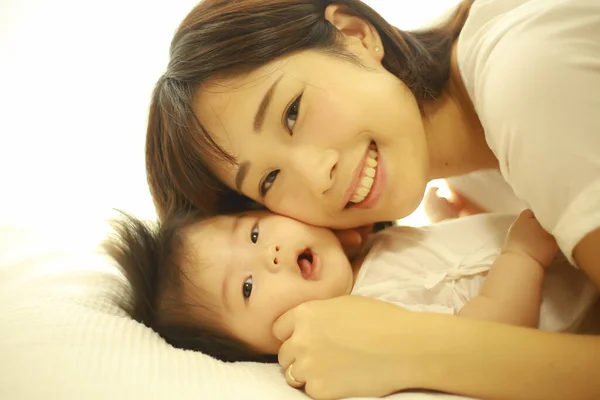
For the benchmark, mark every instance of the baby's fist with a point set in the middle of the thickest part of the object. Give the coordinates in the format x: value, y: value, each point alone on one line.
x: 526, y: 236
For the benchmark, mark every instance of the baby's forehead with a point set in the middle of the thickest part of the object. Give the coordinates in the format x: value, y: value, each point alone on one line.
x: 219, y: 222
x: 212, y: 234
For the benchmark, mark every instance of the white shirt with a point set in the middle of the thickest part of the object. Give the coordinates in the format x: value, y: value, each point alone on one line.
x: 439, y: 268
x: 532, y: 69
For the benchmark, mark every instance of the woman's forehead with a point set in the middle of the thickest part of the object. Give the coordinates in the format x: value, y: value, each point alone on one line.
x: 230, y: 108
x: 227, y: 107
x: 235, y: 92
x: 220, y: 92
x: 237, y: 96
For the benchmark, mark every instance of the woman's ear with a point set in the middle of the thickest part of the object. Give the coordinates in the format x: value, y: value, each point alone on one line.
x: 355, y: 29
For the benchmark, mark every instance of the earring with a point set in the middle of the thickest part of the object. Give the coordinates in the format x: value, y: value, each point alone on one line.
x: 377, y: 49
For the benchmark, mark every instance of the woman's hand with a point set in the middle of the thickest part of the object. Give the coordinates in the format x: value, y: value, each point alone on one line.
x: 353, y: 239
x: 344, y: 347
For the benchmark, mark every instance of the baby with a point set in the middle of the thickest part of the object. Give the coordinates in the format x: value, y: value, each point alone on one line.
x: 218, y: 285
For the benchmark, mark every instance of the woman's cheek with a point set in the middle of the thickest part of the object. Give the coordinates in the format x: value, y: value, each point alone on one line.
x: 326, y: 120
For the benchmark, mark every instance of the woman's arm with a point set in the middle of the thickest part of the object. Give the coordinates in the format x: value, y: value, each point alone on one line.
x: 493, y: 361
x: 353, y: 346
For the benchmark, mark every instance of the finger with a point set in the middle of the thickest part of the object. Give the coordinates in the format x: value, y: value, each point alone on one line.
x: 349, y: 237
x: 287, y: 354
x: 432, y: 192
x: 283, y: 328
x: 365, y: 230
x: 454, y: 197
x: 292, y: 377
x: 351, y: 242
x: 526, y: 214
x: 465, y: 205
x: 439, y: 208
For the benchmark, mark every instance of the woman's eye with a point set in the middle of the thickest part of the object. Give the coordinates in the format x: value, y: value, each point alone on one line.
x: 292, y: 114
x: 247, y: 288
x: 254, y: 234
x: 268, y: 182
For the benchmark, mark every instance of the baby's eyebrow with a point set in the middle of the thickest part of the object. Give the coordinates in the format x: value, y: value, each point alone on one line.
x: 225, y: 289
x: 236, y: 223
x: 227, y: 273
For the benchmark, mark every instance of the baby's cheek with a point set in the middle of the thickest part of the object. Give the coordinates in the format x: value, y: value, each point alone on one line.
x: 300, y: 293
x: 290, y: 293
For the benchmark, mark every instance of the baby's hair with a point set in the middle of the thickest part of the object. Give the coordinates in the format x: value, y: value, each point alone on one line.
x: 151, y: 259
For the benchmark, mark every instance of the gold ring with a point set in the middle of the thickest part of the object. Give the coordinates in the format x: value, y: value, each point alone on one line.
x: 291, y: 378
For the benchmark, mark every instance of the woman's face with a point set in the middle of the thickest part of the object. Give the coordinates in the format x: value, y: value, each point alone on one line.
x: 320, y: 139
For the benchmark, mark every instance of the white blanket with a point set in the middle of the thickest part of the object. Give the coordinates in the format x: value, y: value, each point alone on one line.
x: 64, y: 336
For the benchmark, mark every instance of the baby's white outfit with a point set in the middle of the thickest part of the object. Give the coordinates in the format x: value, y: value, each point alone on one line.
x: 439, y: 268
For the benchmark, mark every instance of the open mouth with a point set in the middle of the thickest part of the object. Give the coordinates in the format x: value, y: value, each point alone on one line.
x: 308, y: 263
x: 366, y: 178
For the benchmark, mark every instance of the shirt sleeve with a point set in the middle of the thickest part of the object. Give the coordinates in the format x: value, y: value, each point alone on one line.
x: 538, y: 98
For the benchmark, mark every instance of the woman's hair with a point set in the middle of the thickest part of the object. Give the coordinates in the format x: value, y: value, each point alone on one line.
x: 151, y: 260
x: 230, y: 37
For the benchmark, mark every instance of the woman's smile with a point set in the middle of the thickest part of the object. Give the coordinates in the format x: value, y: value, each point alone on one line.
x: 366, y: 186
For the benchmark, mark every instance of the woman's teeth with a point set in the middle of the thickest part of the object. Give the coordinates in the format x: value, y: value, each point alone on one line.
x: 367, y: 178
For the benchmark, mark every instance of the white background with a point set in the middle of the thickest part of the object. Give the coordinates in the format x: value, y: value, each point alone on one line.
x: 75, y: 82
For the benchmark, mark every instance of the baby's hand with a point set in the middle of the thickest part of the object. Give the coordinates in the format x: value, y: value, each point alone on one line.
x: 353, y: 239
x: 527, y: 237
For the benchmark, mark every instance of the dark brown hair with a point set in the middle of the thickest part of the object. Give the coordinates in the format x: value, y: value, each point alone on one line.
x: 232, y: 37
x: 151, y: 260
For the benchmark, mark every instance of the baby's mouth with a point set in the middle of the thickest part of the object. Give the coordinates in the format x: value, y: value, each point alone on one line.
x: 307, y: 264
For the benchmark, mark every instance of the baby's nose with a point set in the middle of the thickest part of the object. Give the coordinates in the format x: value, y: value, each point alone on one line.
x: 274, y: 258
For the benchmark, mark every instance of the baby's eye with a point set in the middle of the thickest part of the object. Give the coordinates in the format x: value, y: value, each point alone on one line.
x: 268, y: 182
x: 292, y: 114
x: 247, y: 288
x: 254, y: 234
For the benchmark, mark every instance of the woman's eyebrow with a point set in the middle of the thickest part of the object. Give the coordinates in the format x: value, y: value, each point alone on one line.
x: 259, y: 118
x: 241, y: 175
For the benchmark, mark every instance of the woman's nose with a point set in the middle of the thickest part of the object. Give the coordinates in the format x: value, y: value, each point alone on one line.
x: 316, y: 168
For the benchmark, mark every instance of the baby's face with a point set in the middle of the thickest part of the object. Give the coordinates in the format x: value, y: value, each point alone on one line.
x: 260, y: 265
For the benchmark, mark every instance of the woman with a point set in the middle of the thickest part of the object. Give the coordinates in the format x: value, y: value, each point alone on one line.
x: 324, y: 112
